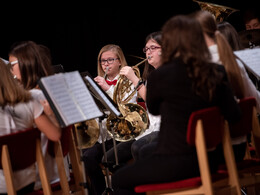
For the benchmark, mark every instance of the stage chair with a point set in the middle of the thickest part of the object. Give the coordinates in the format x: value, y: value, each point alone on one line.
x: 206, y: 129
x: 249, y: 168
x: 77, y: 164
x: 20, y: 150
x: 58, y: 150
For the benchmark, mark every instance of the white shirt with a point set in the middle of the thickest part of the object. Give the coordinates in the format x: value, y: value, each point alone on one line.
x: 110, y: 92
x: 50, y: 163
x: 14, y: 119
x: 250, y: 89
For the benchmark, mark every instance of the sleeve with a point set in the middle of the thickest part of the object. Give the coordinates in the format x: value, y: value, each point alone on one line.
x: 250, y: 89
x: 37, y: 108
x: 153, y: 98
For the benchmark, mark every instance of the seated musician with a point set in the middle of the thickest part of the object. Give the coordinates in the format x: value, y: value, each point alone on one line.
x: 189, y: 81
x: 110, y: 60
x: 19, y: 110
x: 30, y: 62
x: 152, y: 50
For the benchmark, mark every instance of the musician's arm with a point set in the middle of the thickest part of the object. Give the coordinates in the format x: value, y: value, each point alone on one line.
x: 130, y: 74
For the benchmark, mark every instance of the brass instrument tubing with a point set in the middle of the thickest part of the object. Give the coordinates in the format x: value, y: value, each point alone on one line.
x: 105, y: 76
x: 141, y: 62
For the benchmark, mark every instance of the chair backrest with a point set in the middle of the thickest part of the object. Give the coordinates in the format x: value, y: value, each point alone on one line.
x: 207, y: 128
x: 213, y: 125
x: 244, y: 125
x: 21, y: 146
x: 20, y: 150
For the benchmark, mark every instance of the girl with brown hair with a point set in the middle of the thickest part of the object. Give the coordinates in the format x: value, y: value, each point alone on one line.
x: 19, y: 111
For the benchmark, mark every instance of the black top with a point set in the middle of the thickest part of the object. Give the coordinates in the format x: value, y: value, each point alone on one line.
x: 170, y: 94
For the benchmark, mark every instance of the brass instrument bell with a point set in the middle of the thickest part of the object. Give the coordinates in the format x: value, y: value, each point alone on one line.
x: 135, y: 118
x: 220, y: 12
x: 87, y: 133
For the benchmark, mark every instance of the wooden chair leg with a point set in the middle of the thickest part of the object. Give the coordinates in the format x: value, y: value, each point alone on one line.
x: 8, y: 171
x: 256, y: 133
x: 230, y: 160
x: 76, y: 164
x: 42, y: 169
x: 61, y: 169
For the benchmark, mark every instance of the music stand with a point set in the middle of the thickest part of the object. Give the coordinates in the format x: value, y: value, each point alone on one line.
x: 107, y: 104
x: 58, y: 68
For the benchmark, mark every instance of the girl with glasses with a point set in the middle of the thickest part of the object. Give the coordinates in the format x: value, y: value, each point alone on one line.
x: 30, y: 62
x: 110, y: 60
x: 185, y: 82
x: 153, y: 53
x: 19, y: 110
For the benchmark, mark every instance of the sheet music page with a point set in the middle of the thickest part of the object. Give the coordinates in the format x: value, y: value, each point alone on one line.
x: 71, y: 98
x: 108, y: 103
x: 251, y: 57
x: 82, y: 96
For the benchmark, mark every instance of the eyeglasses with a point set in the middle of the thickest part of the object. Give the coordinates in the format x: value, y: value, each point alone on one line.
x: 152, y: 48
x: 13, y: 63
x: 109, y: 61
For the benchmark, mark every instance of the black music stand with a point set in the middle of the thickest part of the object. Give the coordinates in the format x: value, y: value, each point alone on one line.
x: 107, y: 104
x: 58, y: 68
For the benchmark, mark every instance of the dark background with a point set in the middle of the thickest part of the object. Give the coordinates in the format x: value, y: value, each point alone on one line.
x: 75, y: 32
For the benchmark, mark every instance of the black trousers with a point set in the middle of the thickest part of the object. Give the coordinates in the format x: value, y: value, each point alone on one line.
x: 93, y: 158
x: 153, y: 169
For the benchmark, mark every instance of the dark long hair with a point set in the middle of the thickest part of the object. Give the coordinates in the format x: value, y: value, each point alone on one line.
x: 34, y: 62
x: 157, y: 37
x: 182, y: 39
x: 231, y: 35
x: 225, y: 52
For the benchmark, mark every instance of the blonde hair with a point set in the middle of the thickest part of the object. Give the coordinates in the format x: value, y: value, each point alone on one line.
x: 226, y: 54
x: 11, y: 91
x: 117, y: 51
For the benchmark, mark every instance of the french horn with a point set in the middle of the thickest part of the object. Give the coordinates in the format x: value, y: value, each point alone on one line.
x: 87, y: 133
x: 219, y: 11
x: 134, y: 120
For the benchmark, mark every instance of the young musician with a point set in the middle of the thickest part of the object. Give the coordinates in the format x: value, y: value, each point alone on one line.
x: 222, y: 53
x: 251, y: 18
x: 19, y: 111
x: 152, y: 50
x: 30, y: 62
x: 185, y: 82
x: 110, y: 60
x: 232, y: 37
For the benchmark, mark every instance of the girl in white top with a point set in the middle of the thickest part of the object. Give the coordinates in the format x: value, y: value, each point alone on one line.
x: 222, y: 53
x: 152, y: 50
x: 18, y: 111
x: 30, y: 62
x: 233, y: 39
x: 109, y: 62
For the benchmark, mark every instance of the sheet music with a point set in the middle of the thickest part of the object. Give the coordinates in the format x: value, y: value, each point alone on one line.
x: 251, y: 57
x: 71, y: 97
x: 108, y: 103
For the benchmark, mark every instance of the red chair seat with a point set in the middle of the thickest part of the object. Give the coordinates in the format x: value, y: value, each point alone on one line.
x: 206, y: 129
x: 186, y: 183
